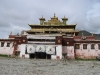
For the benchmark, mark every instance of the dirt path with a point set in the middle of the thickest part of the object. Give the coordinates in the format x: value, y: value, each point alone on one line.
x: 12, y: 66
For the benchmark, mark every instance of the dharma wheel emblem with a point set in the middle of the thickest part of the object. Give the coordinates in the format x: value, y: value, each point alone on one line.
x: 67, y: 42
x: 59, y: 41
x: 40, y: 49
x: 50, y: 50
x: 30, y: 49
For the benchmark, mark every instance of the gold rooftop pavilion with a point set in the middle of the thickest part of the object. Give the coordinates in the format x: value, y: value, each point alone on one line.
x: 53, y: 26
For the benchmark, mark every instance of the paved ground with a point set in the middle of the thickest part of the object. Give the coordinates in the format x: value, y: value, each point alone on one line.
x: 12, y: 66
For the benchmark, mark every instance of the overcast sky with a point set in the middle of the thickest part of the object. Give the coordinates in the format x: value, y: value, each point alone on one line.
x: 15, y: 15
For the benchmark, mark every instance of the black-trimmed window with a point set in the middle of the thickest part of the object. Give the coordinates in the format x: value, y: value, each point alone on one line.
x: 99, y: 46
x: 92, y: 46
x: 84, y: 46
x: 2, y: 44
x: 8, y: 44
x: 77, y: 46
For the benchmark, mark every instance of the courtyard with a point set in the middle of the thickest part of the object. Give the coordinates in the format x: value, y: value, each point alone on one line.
x: 17, y: 66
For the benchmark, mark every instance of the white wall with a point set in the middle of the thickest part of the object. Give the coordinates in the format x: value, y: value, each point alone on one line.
x: 22, y: 49
x: 58, y: 52
x: 87, y: 53
x: 70, y: 51
x: 6, y: 50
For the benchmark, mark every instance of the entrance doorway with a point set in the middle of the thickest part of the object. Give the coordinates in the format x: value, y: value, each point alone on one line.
x: 40, y: 55
x: 48, y: 56
x: 32, y: 56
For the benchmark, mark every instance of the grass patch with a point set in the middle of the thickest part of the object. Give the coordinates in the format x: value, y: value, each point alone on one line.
x: 3, y: 55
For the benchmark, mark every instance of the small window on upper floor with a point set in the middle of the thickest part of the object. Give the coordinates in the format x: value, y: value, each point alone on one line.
x: 77, y: 46
x: 2, y: 44
x: 92, y: 46
x: 8, y: 44
x: 99, y: 46
x: 84, y: 46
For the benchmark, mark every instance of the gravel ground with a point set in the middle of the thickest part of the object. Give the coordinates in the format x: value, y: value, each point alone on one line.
x: 13, y: 66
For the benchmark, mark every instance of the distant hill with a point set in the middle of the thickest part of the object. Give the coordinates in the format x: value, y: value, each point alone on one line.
x: 86, y: 33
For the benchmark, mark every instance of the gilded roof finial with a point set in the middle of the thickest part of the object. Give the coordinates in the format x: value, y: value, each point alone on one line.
x: 22, y: 32
x: 54, y: 15
x: 42, y: 16
x: 92, y: 34
x: 11, y: 33
x: 64, y: 16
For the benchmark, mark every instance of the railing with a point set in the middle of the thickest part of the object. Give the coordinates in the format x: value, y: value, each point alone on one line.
x: 50, y: 29
x: 41, y: 42
x: 40, y: 37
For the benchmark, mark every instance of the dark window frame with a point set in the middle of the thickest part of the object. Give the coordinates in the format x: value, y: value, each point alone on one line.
x: 8, y: 45
x: 92, y: 46
x: 99, y: 46
x: 84, y: 46
x: 77, y: 46
x: 2, y: 44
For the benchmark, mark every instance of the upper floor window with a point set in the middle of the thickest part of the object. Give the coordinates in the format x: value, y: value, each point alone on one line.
x: 12, y: 44
x: 77, y: 46
x: 99, y: 46
x: 84, y: 46
x: 92, y: 46
x: 2, y: 44
x: 8, y: 44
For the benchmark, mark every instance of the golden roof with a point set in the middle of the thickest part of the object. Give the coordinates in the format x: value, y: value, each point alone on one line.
x: 53, y: 25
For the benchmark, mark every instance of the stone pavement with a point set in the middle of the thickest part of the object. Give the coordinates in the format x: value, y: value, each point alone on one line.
x: 13, y: 66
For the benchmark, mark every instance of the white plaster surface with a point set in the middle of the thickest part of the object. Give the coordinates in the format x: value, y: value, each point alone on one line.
x: 87, y: 53
x: 59, y: 51
x: 6, y: 50
x: 69, y: 50
x: 22, y: 49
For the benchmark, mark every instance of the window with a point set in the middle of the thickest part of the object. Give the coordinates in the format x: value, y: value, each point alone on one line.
x: 2, y: 44
x: 77, y: 46
x: 12, y: 44
x: 92, y: 46
x: 84, y: 46
x: 8, y: 44
x: 99, y: 46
